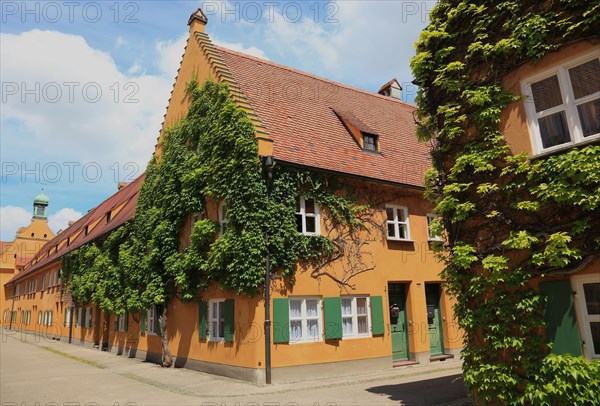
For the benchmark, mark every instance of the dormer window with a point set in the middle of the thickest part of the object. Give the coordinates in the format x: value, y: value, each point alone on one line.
x: 563, y: 104
x: 108, y: 216
x: 87, y: 230
x: 370, y: 142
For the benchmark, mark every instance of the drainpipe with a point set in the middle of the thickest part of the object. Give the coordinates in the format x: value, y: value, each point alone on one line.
x: 12, y: 309
x: 71, y: 323
x: 269, y: 162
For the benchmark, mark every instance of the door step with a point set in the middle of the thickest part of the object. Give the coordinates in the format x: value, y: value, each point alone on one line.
x: 406, y: 363
x: 441, y: 357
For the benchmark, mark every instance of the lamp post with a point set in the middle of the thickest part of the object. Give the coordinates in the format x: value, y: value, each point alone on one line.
x: 269, y: 162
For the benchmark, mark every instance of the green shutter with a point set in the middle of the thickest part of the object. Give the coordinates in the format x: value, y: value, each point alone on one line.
x: 333, y: 318
x: 202, y: 320
x: 377, y: 325
x: 143, y: 322
x: 229, y: 320
x: 126, y: 321
x: 281, y: 321
x: 561, y: 324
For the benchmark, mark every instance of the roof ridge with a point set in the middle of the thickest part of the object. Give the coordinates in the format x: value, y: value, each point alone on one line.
x: 310, y: 75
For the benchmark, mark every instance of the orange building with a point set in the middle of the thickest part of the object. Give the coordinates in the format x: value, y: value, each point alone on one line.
x: 394, y: 311
x: 27, y: 242
x: 559, y: 110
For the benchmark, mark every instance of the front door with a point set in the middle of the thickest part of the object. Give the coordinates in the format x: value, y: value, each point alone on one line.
x: 398, y: 327
x: 434, y: 318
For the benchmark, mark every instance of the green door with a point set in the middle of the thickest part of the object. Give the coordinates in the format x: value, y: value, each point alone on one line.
x: 561, y: 324
x: 434, y: 318
x: 398, y: 325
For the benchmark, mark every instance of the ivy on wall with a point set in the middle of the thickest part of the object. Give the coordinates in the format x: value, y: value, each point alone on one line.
x: 508, y: 219
x: 212, y: 155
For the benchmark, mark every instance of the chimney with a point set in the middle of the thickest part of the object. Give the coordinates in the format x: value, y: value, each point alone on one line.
x: 391, y: 89
x: 121, y: 185
x: 197, y: 21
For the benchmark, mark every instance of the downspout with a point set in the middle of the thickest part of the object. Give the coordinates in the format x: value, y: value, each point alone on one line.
x: 12, y: 309
x: 269, y: 162
x: 71, y: 323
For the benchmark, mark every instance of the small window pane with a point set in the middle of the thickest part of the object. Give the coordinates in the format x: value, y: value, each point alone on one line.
x: 391, y: 231
x: 362, y: 325
x: 296, y: 330
x: 295, y: 308
x: 361, y: 305
x: 347, y: 326
x: 592, y: 297
x: 390, y: 213
x: 309, y: 206
x: 313, y: 328
x: 546, y: 94
x: 402, y: 231
x: 347, y: 307
x: 554, y: 130
x: 585, y: 78
x: 401, y: 216
x: 595, y: 327
x: 311, y: 308
x: 311, y: 225
x: 589, y: 114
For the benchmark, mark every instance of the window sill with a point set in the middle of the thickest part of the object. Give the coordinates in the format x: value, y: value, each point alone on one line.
x: 400, y: 240
x: 304, y: 341
x: 434, y: 240
x: 594, y: 139
x: 216, y: 340
x: 357, y: 337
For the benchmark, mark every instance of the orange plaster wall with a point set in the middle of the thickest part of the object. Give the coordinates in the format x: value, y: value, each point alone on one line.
x: 513, y: 122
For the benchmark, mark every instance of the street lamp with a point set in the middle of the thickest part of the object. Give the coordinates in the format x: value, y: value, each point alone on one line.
x: 269, y: 163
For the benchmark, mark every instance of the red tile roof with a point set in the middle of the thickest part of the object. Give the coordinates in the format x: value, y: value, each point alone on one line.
x: 296, y: 108
x: 95, y: 220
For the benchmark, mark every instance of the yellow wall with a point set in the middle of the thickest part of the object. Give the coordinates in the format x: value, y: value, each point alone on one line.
x: 28, y: 241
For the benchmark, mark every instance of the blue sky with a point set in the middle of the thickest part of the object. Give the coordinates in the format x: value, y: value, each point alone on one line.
x: 85, y: 83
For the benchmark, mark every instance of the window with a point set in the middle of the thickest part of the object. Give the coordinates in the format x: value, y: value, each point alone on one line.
x: 151, y: 320
x: 397, y: 223
x: 222, y: 218
x: 431, y: 235
x: 87, y: 230
x: 108, y: 216
x: 587, y: 298
x: 88, y: 312
x: 80, y: 316
x: 122, y: 322
x: 68, y: 317
x: 370, y: 142
x: 40, y: 317
x: 216, y: 319
x: 355, y: 317
x: 307, y: 216
x: 305, y: 320
x: 563, y: 105
x: 195, y: 218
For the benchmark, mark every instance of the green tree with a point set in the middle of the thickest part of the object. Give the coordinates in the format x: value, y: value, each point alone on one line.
x: 508, y: 219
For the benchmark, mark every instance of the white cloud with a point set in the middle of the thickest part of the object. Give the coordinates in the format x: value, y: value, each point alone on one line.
x: 11, y: 219
x: 60, y: 220
x: 120, y: 41
x: 170, y: 54
x: 82, y: 106
x: 238, y: 46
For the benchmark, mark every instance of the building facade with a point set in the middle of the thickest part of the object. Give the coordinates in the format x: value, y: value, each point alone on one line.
x: 394, y: 312
x: 560, y: 110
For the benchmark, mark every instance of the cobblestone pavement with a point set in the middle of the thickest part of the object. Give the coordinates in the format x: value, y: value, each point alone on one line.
x: 42, y: 372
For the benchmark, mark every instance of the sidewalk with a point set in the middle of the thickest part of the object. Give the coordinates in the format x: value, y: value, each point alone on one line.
x: 187, y: 382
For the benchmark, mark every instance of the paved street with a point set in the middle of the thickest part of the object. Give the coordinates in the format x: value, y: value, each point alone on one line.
x: 55, y: 373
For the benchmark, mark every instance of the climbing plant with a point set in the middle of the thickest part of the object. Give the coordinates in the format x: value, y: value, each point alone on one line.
x: 508, y: 219
x: 211, y: 155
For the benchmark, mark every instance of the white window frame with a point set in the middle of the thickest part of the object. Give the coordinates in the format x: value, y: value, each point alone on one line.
x: 121, y: 322
x: 354, y: 316
x: 569, y: 105
x: 583, y: 318
x: 304, y: 319
x: 397, y: 223
x: 316, y: 215
x: 430, y: 218
x: 150, y: 321
x: 222, y: 217
x: 220, y: 319
x: 40, y: 318
x: 68, y: 310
